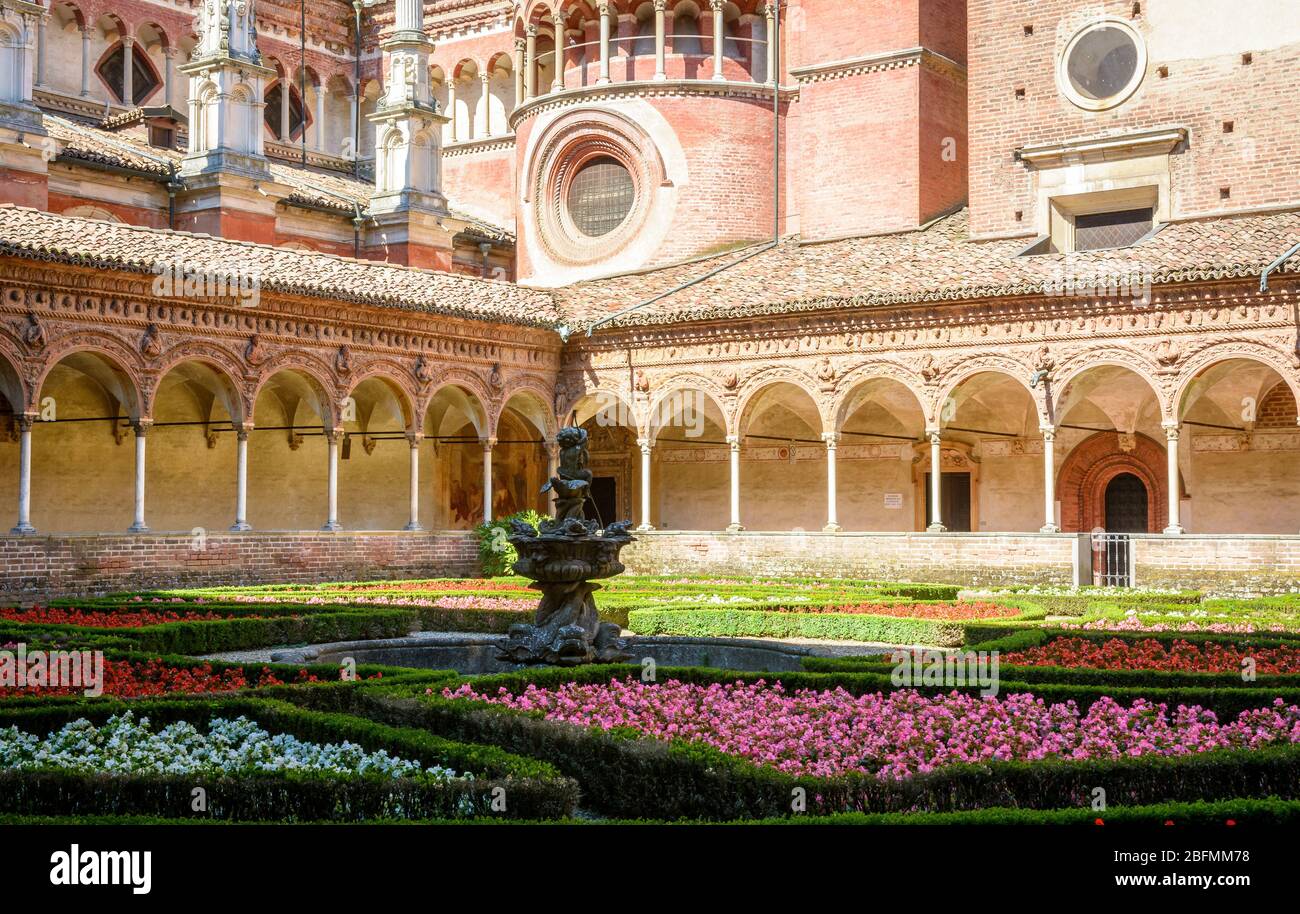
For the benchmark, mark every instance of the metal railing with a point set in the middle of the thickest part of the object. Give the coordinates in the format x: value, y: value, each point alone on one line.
x: 1112, y: 559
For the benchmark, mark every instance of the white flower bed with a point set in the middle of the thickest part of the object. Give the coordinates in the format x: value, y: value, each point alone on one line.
x: 124, y: 745
x: 1045, y: 590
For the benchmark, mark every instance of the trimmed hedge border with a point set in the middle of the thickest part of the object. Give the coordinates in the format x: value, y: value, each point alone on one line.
x: 532, y: 788
x: 626, y: 774
x: 748, y: 623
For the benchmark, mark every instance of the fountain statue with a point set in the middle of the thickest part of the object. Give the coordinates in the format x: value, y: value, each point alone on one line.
x: 563, y: 558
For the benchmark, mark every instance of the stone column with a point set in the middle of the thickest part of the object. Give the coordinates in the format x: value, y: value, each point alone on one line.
x: 85, y: 60
x: 128, y: 71
x: 770, y: 13
x: 354, y: 138
x: 488, y: 444
x: 24, y: 525
x: 519, y: 71
x: 485, y: 79
x: 734, y: 442
x: 719, y: 36
x: 241, y: 524
x: 645, y: 444
x: 40, y: 46
x: 414, y: 440
x: 936, y: 483
x: 1171, y: 452
x: 1049, y: 480
x: 141, y: 431
x: 332, y: 438
x: 169, y: 77
x: 832, y: 521
x: 286, y: 134
x: 661, y: 39
x: 530, y: 63
x: 321, y: 94
x: 451, y: 107
x: 557, y: 59
x: 606, y: 15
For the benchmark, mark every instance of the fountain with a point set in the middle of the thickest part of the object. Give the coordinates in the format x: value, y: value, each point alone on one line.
x: 564, y: 557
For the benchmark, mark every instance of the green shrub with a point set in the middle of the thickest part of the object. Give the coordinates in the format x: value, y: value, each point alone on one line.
x: 495, y: 554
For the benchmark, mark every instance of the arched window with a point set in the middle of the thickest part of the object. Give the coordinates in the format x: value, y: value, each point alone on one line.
x: 144, y: 81
x: 297, y: 113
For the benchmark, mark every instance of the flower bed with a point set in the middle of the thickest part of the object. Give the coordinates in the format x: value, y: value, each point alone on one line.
x: 256, y: 760
x: 143, y: 678
x: 49, y: 615
x: 1148, y: 653
x: 1132, y: 622
x: 948, y: 611
x: 828, y: 625
x: 127, y: 745
x: 895, y: 735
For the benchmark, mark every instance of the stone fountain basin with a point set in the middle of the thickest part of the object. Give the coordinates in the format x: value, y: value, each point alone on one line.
x: 474, y: 654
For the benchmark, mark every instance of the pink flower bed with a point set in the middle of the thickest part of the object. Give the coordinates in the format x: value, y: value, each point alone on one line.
x: 1131, y: 623
x: 895, y: 735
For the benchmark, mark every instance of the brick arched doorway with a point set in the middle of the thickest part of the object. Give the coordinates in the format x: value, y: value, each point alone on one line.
x: 1090, y: 469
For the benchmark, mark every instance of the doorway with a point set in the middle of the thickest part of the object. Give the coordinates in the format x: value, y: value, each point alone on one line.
x: 1127, y: 504
x: 602, y: 501
x: 955, y: 499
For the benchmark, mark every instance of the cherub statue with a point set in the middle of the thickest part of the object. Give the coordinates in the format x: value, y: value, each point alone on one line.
x: 573, y: 480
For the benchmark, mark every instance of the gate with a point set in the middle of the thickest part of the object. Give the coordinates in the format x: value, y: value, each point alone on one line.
x: 1112, y: 559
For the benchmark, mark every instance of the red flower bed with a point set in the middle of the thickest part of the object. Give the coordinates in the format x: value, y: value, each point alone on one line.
x: 137, y: 679
x: 48, y: 615
x: 946, y: 611
x: 453, y: 586
x: 1150, y: 654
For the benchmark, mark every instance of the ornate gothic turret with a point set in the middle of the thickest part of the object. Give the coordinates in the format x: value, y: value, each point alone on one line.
x: 408, y: 207
x: 23, y: 142
x: 225, y: 167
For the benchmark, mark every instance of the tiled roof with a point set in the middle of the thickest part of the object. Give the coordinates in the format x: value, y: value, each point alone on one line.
x: 107, y: 245
x: 935, y: 264
x: 312, y: 187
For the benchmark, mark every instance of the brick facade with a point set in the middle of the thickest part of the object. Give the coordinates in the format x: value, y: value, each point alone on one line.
x: 46, y: 566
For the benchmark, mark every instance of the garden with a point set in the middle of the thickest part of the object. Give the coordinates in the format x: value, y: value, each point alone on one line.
x: 1104, y: 705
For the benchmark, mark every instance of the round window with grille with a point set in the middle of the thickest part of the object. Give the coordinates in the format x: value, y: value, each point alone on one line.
x: 600, y: 196
x: 1102, y: 65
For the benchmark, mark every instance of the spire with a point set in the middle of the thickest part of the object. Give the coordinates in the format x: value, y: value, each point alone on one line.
x: 227, y: 28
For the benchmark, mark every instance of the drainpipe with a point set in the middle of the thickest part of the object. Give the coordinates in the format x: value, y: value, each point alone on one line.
x: 564, y: 331
x: 1276, y: 265
x: 173, y: 185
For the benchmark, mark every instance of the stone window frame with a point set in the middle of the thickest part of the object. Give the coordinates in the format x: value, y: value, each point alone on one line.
x: 1063, y: 211
x: 572, y: 144
x: 1066, y: 86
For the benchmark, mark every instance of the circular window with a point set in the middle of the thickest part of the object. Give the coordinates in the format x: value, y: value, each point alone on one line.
x: 600, y: 196
x: 1102, y: 65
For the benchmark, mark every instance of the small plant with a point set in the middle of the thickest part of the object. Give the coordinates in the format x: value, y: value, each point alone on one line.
x: 495, y: 554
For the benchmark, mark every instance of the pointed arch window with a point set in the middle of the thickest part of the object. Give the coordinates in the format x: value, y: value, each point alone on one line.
x: 144, y: 79
x: 298, y: 116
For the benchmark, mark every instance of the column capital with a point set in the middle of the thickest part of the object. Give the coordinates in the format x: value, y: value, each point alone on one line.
x: 169, y: 51
x: 734, y: 441
x: 127, y: 40
x: 243, y: 430
x: 414, y: 438
x: 1048, y: 432
x: 334, y: 435
x: 935, y: 436
x: 1172, y: 430
x: 25, y: 421
x: 488, y: 443
x: 832, y: 439
x: 661, y: 5
x: 645, y: 444
x: 531, y: 30
x: 718, y: 6
x: 141, y: 426
x: 604, y: 7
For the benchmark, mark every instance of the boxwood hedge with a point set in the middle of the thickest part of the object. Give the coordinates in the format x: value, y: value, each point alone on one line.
x: 530, y: 788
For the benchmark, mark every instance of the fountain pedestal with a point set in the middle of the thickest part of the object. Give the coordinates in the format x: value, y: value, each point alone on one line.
x: 564, y: 557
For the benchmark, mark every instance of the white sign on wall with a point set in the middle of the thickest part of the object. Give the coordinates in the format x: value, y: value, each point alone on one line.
x: 893, y: 499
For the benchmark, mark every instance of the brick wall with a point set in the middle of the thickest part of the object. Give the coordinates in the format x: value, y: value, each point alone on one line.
x: 970, y: 559
x: 1219, y: 564
x: 41, y: 566
x: 1196, y: 78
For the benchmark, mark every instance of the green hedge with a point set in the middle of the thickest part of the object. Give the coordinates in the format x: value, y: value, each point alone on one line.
x: 623, y: 773
x: 533, y: 789
x: 211, y: 636
x: 737, y: 623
